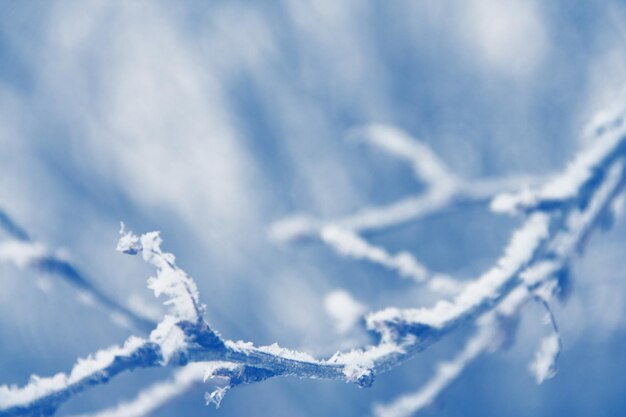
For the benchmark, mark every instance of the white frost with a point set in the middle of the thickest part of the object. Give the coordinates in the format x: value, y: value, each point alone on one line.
x: 544, y: 365
x: 569, y: 183
x: 281, y: 352
x: 213, y: 369
x: 519, y: 251
x: 169, y: 337
x: 181, y: 291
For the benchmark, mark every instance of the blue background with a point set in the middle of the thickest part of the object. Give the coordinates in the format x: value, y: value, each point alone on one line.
x: 211, y: 120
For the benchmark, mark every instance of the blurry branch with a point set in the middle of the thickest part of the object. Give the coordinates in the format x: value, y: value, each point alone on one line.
x: 560, y: 217
x: 349, y: 244
x: 157, y: 395
x: 444, y: 191
x: 21, y: 250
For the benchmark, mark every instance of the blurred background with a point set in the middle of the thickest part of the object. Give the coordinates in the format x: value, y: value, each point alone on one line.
x: 209, y: 121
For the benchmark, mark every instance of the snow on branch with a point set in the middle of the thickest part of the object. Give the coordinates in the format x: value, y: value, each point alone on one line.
x: 171, y: 281
x: 533, y: 265
x: 176, y: 336
x: 542, y: 280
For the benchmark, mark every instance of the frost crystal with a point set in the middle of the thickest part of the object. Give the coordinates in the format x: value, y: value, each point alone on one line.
x: 216, y: 396
x: 170, y: 281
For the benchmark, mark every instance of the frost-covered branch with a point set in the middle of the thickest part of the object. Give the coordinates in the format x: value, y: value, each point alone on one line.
x: 21, y: 250
x: 175, y: 337
x: 534, y: 264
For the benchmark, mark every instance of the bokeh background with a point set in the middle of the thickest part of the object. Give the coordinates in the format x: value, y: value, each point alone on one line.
x: 211, y: 120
